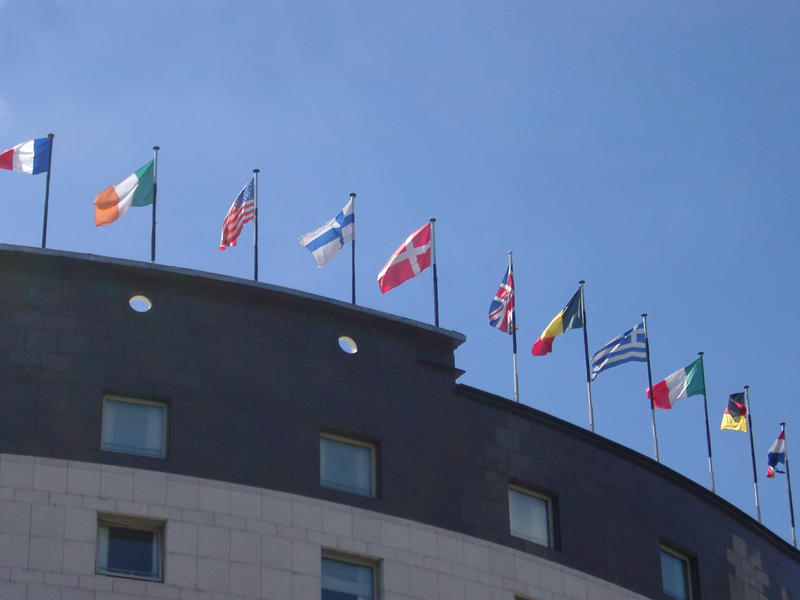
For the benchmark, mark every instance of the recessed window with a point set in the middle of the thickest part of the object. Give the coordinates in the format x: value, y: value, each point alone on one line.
x: 348, y: 580
x: 134, y: 426
x: 140, y: 303
x: 530, y: 516
x: 676, y: 574
x: 347, y: 464
x: 348, y: 344
x: 129, y: 547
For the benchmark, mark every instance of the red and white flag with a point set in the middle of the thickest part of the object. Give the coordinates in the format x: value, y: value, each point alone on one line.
x: 409, y: 260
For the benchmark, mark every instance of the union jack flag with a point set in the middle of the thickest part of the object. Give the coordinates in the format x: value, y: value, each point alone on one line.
x: 241, y: 211
x: 501, y: 311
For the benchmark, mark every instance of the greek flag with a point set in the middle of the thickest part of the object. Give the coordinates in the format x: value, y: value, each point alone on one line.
x: 326, y: 241
x: 626, y: 347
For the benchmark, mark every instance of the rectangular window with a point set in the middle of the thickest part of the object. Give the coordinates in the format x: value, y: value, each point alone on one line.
x: 129, y: 547
x: 530, y: 516
x: 348, y: 580
x: 134, y: 426
x: 347, y: 464
x: 676, y: 574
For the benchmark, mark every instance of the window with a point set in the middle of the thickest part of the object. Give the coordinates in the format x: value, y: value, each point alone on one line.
x: 346, y: 464
x: 134, y: 426
x: 129, y: 547
x: 676, y: 569
x: 351, y: 579
x: 530, y: 515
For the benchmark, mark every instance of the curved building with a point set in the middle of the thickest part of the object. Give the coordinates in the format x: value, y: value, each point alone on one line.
x: 243, y: 441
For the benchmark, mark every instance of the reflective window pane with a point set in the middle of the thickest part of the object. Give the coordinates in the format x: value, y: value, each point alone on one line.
x: 346, y: 466
x: 134, y: 427
x: 675, y: 575
x: 126, y: 551
x: 346, y: 581
x: 529, y: 516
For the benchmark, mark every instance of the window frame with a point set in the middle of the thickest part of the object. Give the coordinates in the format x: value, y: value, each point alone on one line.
x: 689, y: 561
x: 360, y: 561
x: 346, y: 439
x: 154, y: 526
x: 141, y: 401
x: 550, y: 506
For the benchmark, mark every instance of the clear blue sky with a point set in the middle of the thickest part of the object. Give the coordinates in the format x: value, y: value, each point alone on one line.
x: 650, y: 148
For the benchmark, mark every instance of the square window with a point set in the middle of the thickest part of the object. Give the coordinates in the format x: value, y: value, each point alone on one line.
x: 347, y: 465
x: 129, y: 547
x: 134, y: 426
x: 530, y: 516
x: 676, y: 574
x: 351, y: 579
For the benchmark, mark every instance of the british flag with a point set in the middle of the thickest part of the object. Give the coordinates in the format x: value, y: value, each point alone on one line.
x: 501, y: 311
x: 241, y: 211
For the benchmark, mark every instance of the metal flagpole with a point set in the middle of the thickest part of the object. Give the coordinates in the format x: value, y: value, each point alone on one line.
x: 708, y: 432
x: 435, y: 277
x: 650, y: 385
x: 752, y: 448
x: 47, y: 191
x: 586, y: 354
x: 513, y: 324
x: 155, y: 192
x: 789, y: 483
x: 353, y: 249
x: 255, y: 221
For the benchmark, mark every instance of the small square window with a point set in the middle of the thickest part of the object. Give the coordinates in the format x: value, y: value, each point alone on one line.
x: 676, y: 574
x: 348, y: 579
x: 346, y: 464
x: 530, y: 516
x: 134, y: 426
x: 129, y: 547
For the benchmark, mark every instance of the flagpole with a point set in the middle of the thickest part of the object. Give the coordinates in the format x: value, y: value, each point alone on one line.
x: 513, y: 324
x: 435, y: 276
x: 789, y: 483
x: 155, y: 192
x: 650, y: 385
x: 353, y: 248
x: 708, y: 431
x: 586, y: 354
x: 752, y: 448
x: 47, y: 191
x: 255, y: 221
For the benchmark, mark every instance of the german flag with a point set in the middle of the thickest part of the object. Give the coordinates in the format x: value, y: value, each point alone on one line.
x: 569, y: 318
x: 735, y: 417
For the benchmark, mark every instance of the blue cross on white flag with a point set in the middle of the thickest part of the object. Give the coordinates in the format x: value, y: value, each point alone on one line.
x: 326, y: 241
x: 626, y: 347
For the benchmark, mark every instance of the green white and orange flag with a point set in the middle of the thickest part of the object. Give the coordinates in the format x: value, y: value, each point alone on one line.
x: 135, y: 190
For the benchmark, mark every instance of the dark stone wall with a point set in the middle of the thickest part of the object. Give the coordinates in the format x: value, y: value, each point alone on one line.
x: 252, y: 373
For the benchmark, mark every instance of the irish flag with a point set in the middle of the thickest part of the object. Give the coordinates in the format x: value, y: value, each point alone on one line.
x: 689, y: 381
x: 135, y: 190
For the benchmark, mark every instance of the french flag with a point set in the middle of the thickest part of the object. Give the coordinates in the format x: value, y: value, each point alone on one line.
x: 777, y: 454
x: 31, y: 157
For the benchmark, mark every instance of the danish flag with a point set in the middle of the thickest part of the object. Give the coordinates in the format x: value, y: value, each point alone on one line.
x: 409, y: 260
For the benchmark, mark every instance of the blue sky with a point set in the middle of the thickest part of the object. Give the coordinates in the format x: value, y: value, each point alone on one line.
x: 648, y: 148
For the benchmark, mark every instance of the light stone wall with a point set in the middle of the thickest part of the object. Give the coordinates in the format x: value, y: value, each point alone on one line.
x: 226, y: 541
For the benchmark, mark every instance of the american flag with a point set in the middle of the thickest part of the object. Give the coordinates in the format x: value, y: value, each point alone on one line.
x: 501, y: 311
x: 241, y: 211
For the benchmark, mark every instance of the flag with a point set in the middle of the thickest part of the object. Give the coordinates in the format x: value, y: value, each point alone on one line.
x: 135, y: 190
x: 689, y: 381
x: 501, y: 311
x: 326, y: 241
x: 241, y: 211
x: 31, y: 157
x: 626, y: 347
x: 569, y: 318
x: 777, y: 454
x: 735, y: 416
x: 409, y: 260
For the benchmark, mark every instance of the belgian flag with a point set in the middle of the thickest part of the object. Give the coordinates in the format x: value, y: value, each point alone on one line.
x: 735, y: 417
x: 571, y: 317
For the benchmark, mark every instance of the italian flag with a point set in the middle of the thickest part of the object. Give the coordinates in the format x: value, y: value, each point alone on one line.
x: 689, y: 381
x: 135, y: 190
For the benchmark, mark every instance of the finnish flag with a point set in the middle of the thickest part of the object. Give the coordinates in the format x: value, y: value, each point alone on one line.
x: 326, y: 241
